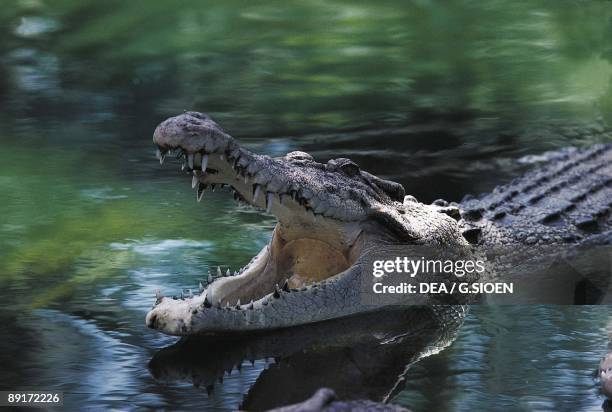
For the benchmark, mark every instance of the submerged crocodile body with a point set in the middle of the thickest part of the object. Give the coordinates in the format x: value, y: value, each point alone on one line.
x: 332, y: 216
x: 325, y: 400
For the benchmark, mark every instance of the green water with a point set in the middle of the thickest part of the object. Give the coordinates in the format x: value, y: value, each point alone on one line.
x: 440, y: 97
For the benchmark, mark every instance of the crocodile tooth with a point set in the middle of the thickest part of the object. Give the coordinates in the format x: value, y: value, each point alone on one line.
x: 235, y: 273
x: 204, y: 162
x: 228, y: 272
x: 201, y: 287
x: 200, y: 191
x: 212, y: 187
x: 162, y: 157
x: 276, y: 293
x: 269, y: 200
x: 286, y: 286
x: 256, y: 192
x: 219, y: 271
x: 251, y: 306
x: 194, y: 181
x: 238, y: 304
x: 207, y: 303
x: 227, y: 305
x: 210, y: 278
x: 183, y: 166
x: 190, y: 161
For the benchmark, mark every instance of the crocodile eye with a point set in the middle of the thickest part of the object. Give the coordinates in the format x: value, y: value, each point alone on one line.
x: 349, y: 167
x: 350, y: 170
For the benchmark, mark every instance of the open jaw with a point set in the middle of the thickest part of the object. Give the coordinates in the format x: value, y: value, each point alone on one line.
x: 276, y: 289
x: 315, y: 245
x: 329, y: 216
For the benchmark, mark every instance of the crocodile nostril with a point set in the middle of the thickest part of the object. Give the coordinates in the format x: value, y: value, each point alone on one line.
x: 151, y: 322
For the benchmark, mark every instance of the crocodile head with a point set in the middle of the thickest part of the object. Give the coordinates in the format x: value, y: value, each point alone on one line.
x: 328, y: 216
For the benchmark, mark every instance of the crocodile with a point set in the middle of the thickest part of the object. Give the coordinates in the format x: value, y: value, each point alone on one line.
x: 326, y: 400
x: 331, y: 217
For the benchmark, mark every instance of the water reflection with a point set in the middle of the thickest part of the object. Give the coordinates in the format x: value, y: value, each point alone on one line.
x: 516, y: 358
x: 362, y: 357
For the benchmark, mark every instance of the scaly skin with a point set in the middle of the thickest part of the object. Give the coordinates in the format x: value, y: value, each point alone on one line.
x: 559, y: 212
x: 332, y: 216
x: 566, y: 201
x: 329, y: 215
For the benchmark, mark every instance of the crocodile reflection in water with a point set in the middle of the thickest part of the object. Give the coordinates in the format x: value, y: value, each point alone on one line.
x: 360, y: 357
